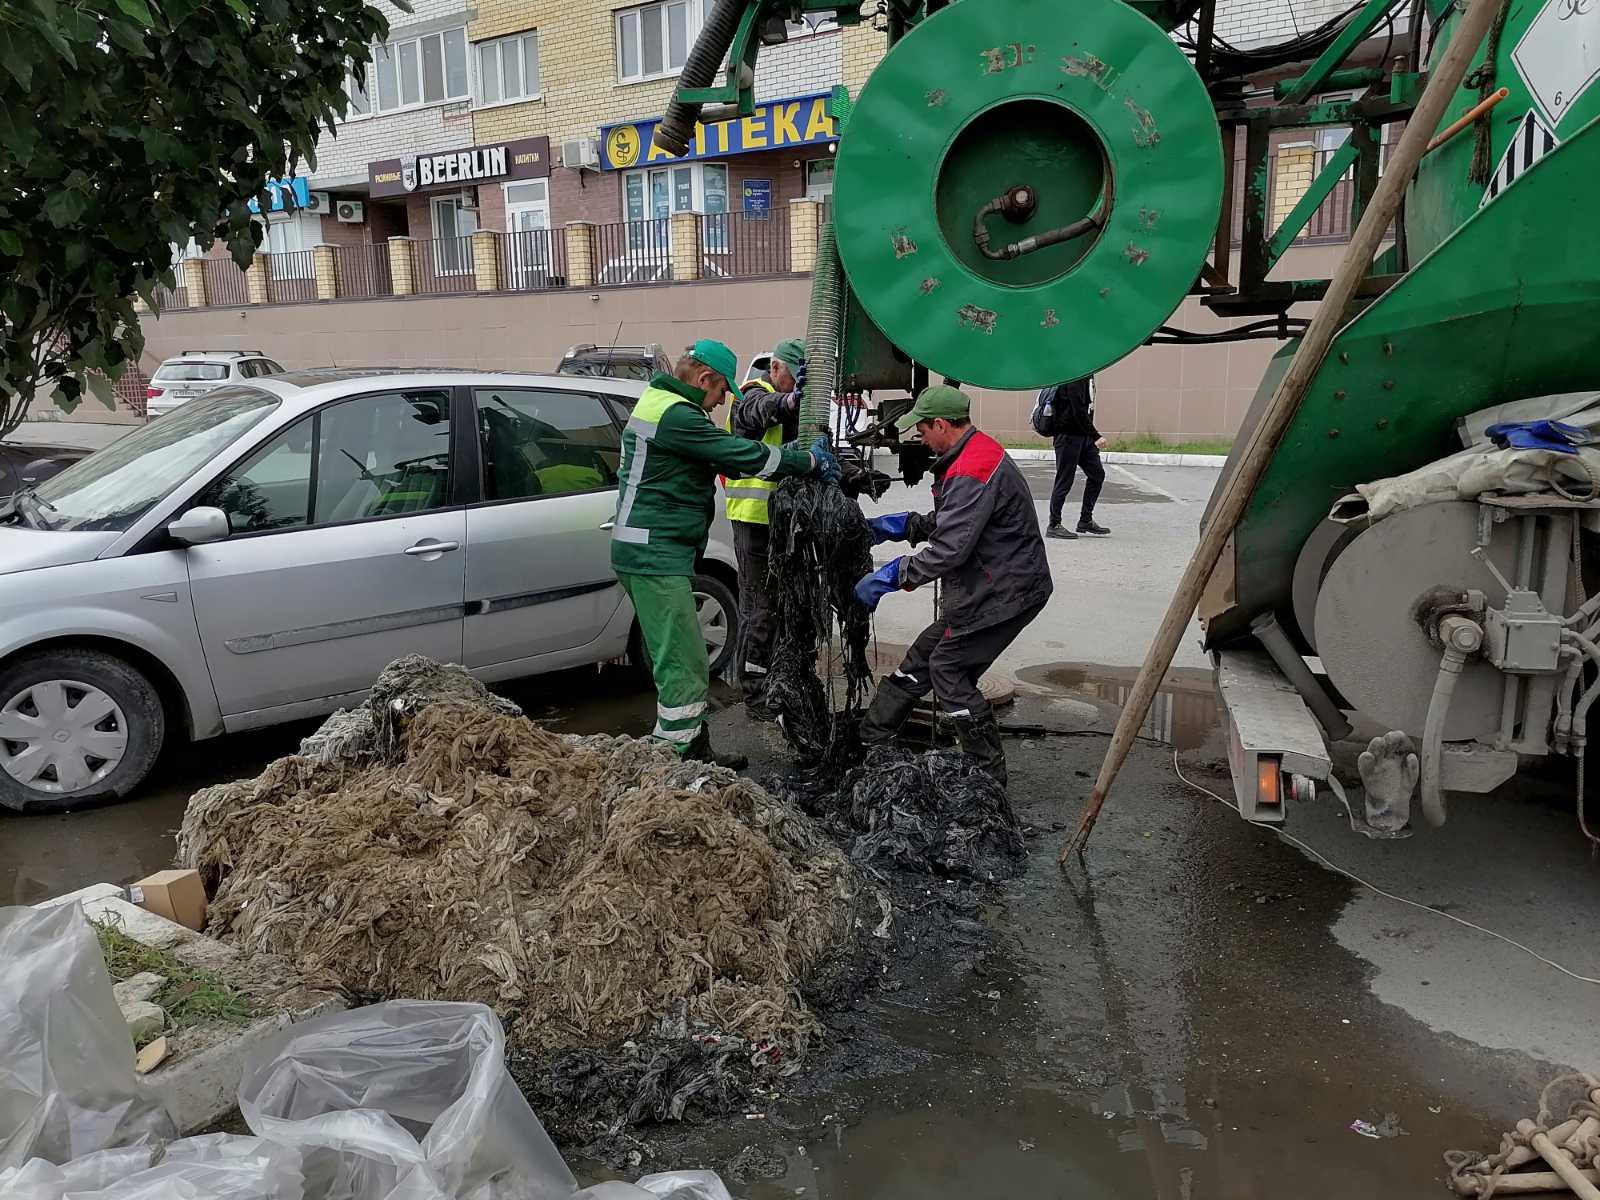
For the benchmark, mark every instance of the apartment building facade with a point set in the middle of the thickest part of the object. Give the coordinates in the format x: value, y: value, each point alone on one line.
x: 525, y: 116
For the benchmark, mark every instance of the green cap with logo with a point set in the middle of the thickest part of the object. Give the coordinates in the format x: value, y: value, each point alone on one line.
x: 790, y: 351
x: 940, y: 400
x: 713, y: 354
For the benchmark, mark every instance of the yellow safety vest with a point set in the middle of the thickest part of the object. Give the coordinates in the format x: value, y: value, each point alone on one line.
x: 747, y: 498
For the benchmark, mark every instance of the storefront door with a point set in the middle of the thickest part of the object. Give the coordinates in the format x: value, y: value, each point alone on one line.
x: 528, y: 223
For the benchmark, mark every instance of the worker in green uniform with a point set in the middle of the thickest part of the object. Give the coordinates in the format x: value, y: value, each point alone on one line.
x: 671, y: 453
x: 766, y: 410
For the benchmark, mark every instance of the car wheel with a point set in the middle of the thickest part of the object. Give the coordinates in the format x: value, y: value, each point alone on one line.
x: 718, y: 611
x: 76, y: 726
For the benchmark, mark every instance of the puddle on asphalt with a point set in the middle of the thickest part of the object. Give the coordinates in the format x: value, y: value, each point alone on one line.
x: 47, y: 855
x: 1184, y: 714
x: 1120, y: 487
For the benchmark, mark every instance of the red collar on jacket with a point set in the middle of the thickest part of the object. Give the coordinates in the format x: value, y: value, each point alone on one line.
x: 976, y: 455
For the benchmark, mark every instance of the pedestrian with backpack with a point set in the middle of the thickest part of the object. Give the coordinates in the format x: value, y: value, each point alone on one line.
x: 1065, y: 414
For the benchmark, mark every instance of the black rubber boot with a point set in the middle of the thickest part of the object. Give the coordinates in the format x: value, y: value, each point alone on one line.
x: 980, y: 739
x: 700, y: 751
x: 889, y: 710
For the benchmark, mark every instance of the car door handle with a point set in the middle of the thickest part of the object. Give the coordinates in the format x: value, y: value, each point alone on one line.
x: 427, y: 546
x: 608, y: 525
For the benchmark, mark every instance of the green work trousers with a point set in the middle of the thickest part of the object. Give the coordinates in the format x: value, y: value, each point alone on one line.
x: 677, y: 652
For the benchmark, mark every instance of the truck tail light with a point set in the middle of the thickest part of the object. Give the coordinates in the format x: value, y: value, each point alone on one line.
x: 1269, y: 781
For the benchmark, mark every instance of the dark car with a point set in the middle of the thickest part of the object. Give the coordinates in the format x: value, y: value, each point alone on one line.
x: 615, y: 362
x: 23, y: 466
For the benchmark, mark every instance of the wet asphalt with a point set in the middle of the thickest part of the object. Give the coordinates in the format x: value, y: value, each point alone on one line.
x: 1194, y: 1010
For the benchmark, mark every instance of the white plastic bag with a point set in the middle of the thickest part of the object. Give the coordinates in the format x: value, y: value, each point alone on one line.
x: 67, y: 1083
x: 406, y: 1100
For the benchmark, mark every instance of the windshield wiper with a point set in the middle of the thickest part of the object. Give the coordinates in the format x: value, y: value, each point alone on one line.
x: 29, y: 503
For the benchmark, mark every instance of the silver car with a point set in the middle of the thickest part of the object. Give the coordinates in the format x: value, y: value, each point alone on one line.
x: 262, y: 553
x: 194, y: 373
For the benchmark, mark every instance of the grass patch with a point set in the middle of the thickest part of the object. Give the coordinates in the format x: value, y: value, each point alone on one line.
x: 1149, y: 443
x: 189, y: 997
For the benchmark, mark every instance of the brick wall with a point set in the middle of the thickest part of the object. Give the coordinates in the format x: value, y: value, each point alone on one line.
x: 342, y: 158
x: 491, y: 206
x: 596, y: 197
x: 341, y: 233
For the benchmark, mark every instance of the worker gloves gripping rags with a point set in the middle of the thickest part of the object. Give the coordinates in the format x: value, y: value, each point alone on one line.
x: 880, y: 583
x: 891, y: 527
x: 826, y: 465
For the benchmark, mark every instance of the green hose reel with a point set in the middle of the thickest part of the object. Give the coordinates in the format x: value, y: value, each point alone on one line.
x: 1024, y: 193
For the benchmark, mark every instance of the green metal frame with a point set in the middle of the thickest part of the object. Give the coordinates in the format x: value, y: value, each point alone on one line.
x: 1321, y: 188
x: 747, y: 46
x: 1351, y: 36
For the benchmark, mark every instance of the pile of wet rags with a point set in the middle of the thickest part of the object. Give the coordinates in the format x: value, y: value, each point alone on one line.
x: 934, y: 812
x: 820, y: 547
x: 627, y: 914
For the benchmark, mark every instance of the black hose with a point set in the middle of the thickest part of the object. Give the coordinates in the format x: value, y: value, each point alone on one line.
x: 700, y: 70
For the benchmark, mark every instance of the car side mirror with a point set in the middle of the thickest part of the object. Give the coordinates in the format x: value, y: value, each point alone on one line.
x: 199, y: 526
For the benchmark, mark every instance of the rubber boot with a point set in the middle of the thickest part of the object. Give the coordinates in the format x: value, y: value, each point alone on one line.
x: 980, y: 739
x: 700, y: 750
x: 889, y: 710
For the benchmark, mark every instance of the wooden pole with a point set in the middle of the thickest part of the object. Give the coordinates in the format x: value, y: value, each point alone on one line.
x: 1560, y: 1162
x: 1431, y: 105
x: 1517, y: 1184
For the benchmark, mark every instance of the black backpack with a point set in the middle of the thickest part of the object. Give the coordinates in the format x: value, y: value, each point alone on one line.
x: 1043, y: 417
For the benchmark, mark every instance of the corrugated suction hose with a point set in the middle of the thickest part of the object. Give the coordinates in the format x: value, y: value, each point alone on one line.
x: 700, y: 70
x: 822, y: 334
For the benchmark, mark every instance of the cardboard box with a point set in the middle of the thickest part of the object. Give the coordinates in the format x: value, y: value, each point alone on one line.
x: 176, y: 895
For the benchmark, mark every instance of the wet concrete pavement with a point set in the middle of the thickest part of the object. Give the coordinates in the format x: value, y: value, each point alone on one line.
x: 1196, y: 1010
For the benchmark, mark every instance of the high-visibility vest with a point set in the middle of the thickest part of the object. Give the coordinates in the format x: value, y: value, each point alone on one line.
x: 747, y: 498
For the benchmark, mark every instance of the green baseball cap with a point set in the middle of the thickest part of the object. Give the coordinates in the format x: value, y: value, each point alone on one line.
x: 719, y: 358
x: 791, y: 351
x: 940, y: 400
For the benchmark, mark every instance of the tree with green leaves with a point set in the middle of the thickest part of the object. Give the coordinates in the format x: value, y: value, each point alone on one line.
x: 131, y: 126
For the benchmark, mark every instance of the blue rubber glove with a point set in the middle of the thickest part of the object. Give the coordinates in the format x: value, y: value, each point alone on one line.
x: 879, y: 584
x: 824, y: 465
x: 891, y: 527
x: 800, y: 379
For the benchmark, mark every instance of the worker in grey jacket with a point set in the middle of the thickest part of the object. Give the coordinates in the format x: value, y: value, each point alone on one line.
x: 982, y: 543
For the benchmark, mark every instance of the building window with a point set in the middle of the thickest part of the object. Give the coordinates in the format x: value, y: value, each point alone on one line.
x: 653, y: 40
x: 508, y: 69
x: 657, y: 193
x: 811, y: 23
x: 292, y: 233
x: 819, y: 178
x: 411, y: 73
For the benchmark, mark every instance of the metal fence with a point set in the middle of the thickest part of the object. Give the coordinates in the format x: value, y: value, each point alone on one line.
x: 291, y: 276
x: 442, y: 265
x: 738, y: 244
x: 362, y: 272
x: 224, y: 282
x: 531, y: 260
x: 631, y: 252
x: 169, y: 298
x: 1332, y: 220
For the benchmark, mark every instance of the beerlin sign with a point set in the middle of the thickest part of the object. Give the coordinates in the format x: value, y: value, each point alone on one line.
x: 524, y: 158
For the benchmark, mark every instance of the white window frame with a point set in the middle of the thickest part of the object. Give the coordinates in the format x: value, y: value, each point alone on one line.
x: 694, y: 19
x: 394, y: 47
x: 519, y: 40
x: 809, y: 24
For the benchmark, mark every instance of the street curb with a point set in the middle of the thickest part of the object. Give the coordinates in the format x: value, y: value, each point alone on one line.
x: 1129, y: 458
x: 199, y: 1085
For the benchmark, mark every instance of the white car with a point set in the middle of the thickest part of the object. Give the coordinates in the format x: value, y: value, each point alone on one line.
x: 196, y: 372
x: 261, y: 554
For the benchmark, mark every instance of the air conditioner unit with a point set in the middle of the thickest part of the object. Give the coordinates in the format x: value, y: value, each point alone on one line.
x: 351, y: 212
x: 577, y: 153
x: 318, y: 202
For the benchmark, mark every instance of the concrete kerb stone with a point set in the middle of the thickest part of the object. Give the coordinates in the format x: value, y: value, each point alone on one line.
x: 1128, y: 458
x: 199, y: 1082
